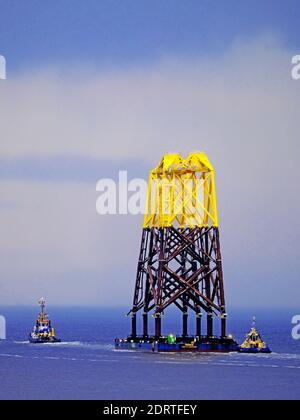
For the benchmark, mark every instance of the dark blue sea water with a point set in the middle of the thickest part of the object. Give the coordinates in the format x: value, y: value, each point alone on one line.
x: 86, y: 366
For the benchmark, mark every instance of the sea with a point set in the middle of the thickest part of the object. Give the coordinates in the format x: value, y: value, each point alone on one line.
x: 85, y: 365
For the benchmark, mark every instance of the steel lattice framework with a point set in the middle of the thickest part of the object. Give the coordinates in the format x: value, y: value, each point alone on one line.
x: 180, y: 259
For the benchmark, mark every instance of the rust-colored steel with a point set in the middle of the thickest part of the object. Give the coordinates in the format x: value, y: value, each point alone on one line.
x: 181, y: 267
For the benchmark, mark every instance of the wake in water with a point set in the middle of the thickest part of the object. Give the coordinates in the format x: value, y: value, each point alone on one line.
x: 62, y: 343
x: 274, y: 360
x: 92, y: 346
x: 93, y: 352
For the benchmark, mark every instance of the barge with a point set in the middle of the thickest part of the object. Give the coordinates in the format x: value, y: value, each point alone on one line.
x: 178, y: 344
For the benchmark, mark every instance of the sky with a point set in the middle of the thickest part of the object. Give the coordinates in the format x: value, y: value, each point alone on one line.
x: 96, y: 87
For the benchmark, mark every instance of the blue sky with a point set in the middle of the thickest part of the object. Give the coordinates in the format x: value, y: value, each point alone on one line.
x: 132, y: 32
x: 94, y: 87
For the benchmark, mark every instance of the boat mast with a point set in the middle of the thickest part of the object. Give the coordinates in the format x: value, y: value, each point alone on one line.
x: 42, y: 304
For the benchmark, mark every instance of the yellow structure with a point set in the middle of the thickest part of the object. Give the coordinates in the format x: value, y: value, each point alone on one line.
x: 42, y: 318
x: 182, y: 193
x: 253, y: 339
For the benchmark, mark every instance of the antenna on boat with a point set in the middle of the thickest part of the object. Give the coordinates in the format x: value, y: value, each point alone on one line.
x: 42, y: 304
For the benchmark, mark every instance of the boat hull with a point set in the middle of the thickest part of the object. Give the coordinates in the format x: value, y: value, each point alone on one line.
x: 43, y: 340
x: 255, y: 350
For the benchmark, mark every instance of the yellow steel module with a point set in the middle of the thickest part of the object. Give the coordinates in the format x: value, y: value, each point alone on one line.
x: 181, y: 192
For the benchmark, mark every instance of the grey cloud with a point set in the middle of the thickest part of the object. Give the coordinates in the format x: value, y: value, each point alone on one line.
x: 67, y: 168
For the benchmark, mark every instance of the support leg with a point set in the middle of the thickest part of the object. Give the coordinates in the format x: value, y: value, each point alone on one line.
x: 198, y: 324
x: 133, y: 325
x: 185, y: 324
x: 145, y: 324
x: 223, y: 325
x: 210, y: 324
x: 157, y: 325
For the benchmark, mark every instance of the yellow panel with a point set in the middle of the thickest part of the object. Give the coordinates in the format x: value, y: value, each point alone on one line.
x: 181, y: 192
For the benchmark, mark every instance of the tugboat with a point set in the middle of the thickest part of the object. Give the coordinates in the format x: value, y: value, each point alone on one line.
x: 43, y: 332
x: 254, y: 342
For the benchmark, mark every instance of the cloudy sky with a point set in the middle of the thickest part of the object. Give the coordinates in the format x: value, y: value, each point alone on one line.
x: 96, y: 87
